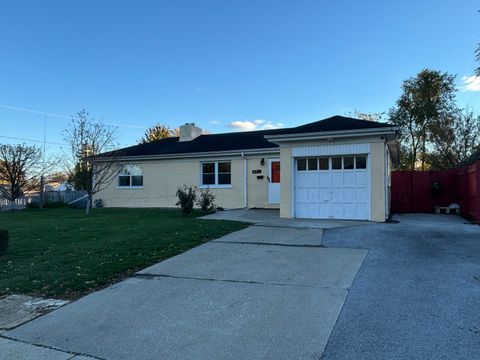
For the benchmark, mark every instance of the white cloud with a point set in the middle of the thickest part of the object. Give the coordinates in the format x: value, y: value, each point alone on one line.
x: 471, y: 83
x: 249, y: 125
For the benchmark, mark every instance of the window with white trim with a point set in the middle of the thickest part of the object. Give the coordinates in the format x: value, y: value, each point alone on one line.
x: 130, y: 176
x: 216, y: 173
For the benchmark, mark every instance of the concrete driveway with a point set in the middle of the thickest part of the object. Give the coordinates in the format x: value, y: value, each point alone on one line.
x: 277, y: 292
x: 260, y: 293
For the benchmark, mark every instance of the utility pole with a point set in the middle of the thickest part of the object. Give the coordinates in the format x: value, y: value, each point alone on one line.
x: 42, y: 176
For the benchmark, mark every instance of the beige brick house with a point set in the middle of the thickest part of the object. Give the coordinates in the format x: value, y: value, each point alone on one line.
x: 337, y: 168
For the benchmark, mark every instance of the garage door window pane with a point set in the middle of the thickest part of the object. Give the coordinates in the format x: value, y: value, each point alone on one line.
x: 336, y: 163
x: 301, y: 164
x: 312, y: 164
x: 360, y: 162
x: 324, y: 164
x: 348, y: 162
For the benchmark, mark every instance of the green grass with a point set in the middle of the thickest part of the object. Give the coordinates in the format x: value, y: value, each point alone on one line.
x: 63, y: 253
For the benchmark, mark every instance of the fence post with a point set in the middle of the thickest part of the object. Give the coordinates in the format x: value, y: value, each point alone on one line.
x: 477, y: 191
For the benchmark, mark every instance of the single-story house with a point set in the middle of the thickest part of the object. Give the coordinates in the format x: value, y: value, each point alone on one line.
x: 336, y: 168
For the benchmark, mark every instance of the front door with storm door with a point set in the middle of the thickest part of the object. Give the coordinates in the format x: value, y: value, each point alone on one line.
x: 274, y: 181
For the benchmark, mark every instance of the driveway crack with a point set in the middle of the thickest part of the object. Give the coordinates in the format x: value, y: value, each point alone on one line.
x: 150, y: 276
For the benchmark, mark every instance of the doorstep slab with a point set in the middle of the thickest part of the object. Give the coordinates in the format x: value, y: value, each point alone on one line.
x: 275, y: 235
x: 167, y: 318
x: 302, y: 266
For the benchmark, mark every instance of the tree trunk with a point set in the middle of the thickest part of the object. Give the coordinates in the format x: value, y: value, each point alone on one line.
x: 89, y: 204
x: 423, y: 154
x: 41, y: 192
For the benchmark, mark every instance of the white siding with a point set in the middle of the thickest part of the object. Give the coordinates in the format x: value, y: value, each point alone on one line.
x: 331, y: 149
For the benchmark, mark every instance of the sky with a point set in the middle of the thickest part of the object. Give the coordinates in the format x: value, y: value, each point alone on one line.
x: 226, y: 65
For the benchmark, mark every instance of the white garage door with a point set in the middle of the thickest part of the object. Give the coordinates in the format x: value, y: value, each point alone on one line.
x: 335, y: 187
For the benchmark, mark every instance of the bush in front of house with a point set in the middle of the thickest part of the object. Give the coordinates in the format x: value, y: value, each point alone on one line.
x: 33, y: 205
x: 98, y: 203
x: 206, y: 201
x: 3, y: 241
x: 187, y: 195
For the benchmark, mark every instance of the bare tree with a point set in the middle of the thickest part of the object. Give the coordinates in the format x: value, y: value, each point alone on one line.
x: 20, y: 170
x: 90, y: 141
x: 477, y: 55
x: 374, y: 116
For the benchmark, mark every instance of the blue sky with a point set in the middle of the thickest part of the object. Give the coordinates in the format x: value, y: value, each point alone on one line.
x: 218, y: 63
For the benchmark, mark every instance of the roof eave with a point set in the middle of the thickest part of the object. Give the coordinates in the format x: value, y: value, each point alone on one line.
x: 191, y: 155
x: 332, y: 134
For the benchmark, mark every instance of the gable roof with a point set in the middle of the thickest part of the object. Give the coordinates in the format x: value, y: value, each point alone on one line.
x: 248, y: 140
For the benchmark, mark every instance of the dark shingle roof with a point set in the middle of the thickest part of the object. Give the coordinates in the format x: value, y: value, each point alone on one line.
x: 247, y: 140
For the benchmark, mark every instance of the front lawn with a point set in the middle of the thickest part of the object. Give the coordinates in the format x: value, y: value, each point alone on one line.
x: 63, y: 253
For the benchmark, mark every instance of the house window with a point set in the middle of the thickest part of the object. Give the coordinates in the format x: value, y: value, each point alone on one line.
x: 217, y: 173
x: 130, y: 176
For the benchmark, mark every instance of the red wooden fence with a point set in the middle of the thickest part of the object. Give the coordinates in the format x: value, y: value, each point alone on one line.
x: 411, y: 190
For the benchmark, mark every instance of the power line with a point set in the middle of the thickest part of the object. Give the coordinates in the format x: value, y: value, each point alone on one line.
x: 32, y: 140
x: 34, y: 111
x: 16, y: 108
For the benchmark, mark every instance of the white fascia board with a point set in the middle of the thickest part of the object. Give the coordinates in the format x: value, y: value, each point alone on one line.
x: 332, y: 134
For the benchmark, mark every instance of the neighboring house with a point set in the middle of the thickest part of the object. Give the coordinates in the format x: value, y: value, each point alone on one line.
x: 337, y: 168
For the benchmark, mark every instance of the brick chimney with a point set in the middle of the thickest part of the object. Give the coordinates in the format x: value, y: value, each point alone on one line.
x: 188, y: 132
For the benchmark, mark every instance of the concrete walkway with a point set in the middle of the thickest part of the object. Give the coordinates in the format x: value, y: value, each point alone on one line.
x: 260, y: 293
x: 16, y: 350
x: 271, y: 218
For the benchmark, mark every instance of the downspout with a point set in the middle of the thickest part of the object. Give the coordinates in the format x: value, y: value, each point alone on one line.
x: 245, y: 197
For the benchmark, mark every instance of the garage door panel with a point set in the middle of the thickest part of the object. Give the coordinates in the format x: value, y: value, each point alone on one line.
x: 302, y: 210
x: 361, y: 210
x: 302, y: 179
x: 302, y: 195
x: 361, y: 178
x: 349, y: 178
x: 324, y: 210
x: 324, y: 194
x: 324, y: 179
x: 313, y: 179
x: 337, y: 211
x: 350, y: 210
x: 349, y: 194
x: 361, y: 194
x: 337, y: 179
x: 314, y: 195
x: 337, y: 194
